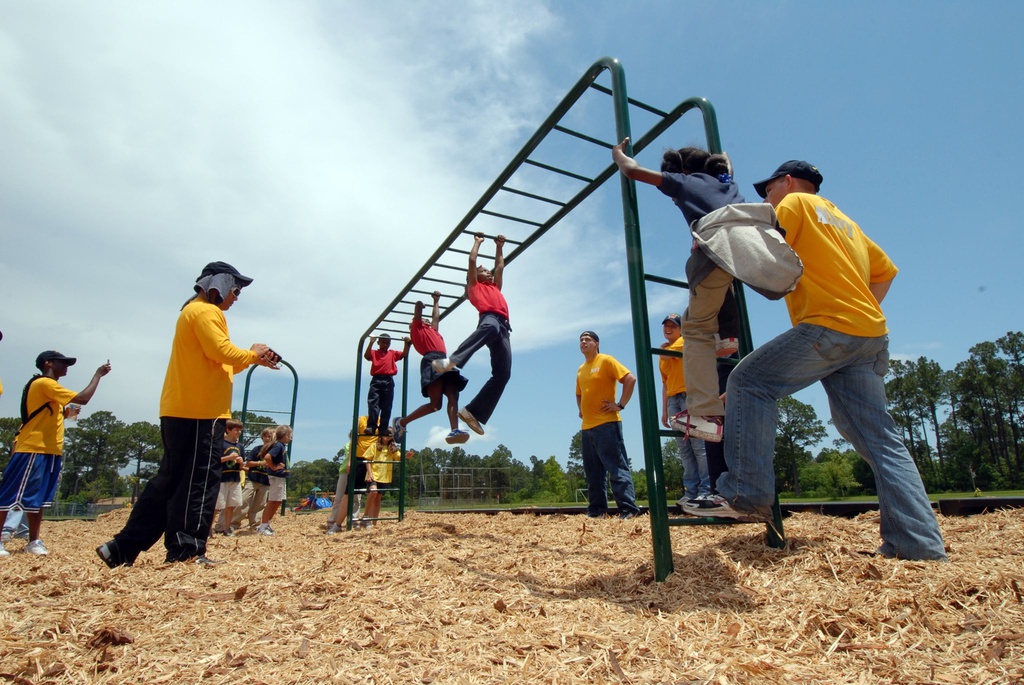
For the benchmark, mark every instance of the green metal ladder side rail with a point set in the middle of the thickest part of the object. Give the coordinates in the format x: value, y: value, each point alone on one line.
x: 649, y: 409
x: 290, y: 412
x: 350, y: 487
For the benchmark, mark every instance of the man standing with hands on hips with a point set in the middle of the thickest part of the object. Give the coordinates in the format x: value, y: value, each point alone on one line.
x: 178, y: 502
x: 604, y: 452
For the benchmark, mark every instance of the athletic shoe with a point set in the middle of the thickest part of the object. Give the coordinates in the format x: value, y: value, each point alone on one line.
x: 264, y: 529
x: 334, y: 529
x: 726, y: 347
x: 679, y: 421
x: 398, y: 428
x: 108, y: 552
x: 4, y: 552
x: 6, y: 536
x: 471, y: 421
x: 457, y: 437
x: 716, y: 506
x: 229, y: 533
x: 626, y: 515
x: 705, y: 427
x: 442, y: 366
x: 204, y: 560
x: 37, y: 547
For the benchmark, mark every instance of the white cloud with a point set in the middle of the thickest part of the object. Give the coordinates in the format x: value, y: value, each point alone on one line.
x: 324, y: 149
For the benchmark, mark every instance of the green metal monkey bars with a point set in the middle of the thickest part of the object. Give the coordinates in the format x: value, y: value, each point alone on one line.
x: 527, y: 199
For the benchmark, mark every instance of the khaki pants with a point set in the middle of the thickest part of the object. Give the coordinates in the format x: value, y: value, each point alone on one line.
x: 700, y: 324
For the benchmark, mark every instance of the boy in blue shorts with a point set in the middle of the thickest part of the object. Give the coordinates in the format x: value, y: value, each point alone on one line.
x: 31, y: 478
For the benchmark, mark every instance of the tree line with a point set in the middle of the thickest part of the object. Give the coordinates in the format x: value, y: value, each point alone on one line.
x: 964, y: 428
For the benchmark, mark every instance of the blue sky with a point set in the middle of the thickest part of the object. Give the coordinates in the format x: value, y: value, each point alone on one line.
x: 326, y: 149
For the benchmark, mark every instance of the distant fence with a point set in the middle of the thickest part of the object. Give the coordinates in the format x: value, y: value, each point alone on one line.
x: 79, y: 510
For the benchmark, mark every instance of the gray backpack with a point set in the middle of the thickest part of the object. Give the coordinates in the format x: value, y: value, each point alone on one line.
x: 746, y: 241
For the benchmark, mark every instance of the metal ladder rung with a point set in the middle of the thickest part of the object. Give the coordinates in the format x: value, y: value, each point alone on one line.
x: 485, y: 235
x: 583, y: 136
x: 510, y: 218
x: 441, y: 280
x: 548, y: 167
x: 636, y: 103
x: 708, y: 521
x: 449, y: 266
x: 533, y: 196
x: 666, y: 281
x: 431, y: 293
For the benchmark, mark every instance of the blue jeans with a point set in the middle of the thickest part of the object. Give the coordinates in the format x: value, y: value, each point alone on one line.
x: 604, y: 454
x: 852, y: 371
x: 696, y: 479
x: 493, y: 332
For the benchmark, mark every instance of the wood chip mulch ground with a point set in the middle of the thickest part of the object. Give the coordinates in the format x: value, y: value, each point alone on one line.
x: 472, y: 598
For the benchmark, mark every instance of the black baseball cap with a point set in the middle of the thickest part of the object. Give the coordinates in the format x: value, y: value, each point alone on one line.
x: 673, y: 318
x: 53, y: 356
x: 797, y: 169
x: 224, y: 268
x: 590, y: 334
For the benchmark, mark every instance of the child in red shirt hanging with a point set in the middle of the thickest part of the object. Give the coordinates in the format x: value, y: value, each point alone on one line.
x: 427, y: 340
x: 483, y: 290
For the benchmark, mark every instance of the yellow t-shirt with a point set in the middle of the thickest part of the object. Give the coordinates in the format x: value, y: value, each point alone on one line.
x: 672, y: 370
x: 839, y: 264
x: 380, y: 458
x: 363, y: 441
x: 595, y: 382
x: 44, y: 433
x: 203, y: 363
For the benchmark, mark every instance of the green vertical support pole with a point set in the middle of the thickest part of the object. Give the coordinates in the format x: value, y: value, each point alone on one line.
x: 401, y: 443
x: 649, y: 410
x: 291, y: 412
x: 353, y: 444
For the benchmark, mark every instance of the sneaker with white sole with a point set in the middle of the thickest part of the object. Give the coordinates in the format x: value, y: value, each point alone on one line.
x: 716, y: 506
x: 37, y: 547
x: 443, y: 365
x: 457, y: 437
x: 705, y: 427
x: 264, y: 529
x: 398, y: 428
x: 471, y: 421
x: 4, y: 552
x: 6, y: 536
x: 334, y: 529
x: 726, y: 347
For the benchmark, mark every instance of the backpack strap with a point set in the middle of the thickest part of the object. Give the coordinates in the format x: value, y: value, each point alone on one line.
x: 25, y: 415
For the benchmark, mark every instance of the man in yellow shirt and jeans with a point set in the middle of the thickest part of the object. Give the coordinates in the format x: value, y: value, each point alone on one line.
x: 604, y: 452
x: 839, y: 337
x: 178, y: 502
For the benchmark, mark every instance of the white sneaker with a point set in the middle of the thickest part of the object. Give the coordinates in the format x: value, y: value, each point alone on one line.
x: 471, y: 421
x: 334, y: 529
x: 726, y: 347
x: 37, y: 547
x: 442, y: 366
x: 4, y: 552
x: 6, y: 536
x: 264, y: 529
x: 707, y: 428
